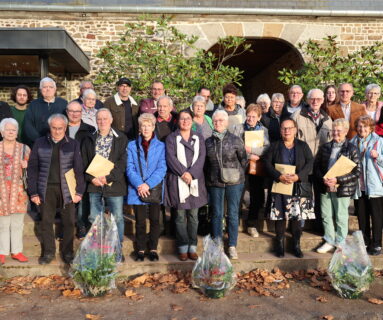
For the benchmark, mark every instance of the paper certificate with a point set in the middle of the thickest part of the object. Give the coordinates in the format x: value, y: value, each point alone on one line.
x: 71, y: 181
x: 279, y: 187
x: 254, y: 139
x: 100, y: 167
x: 341, y: 167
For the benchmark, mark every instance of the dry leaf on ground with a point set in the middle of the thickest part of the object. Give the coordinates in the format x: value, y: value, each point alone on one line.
x: 176, y: 307
x: 130, y: 293
x: 375, y: 301
x: 321, y: 299
x: 72, y: 293
x: 253, y: 306
x: 328, y: 317
x: 89, y: 316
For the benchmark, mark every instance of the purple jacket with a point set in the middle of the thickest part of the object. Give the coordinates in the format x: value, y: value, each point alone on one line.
x: 147, y: 106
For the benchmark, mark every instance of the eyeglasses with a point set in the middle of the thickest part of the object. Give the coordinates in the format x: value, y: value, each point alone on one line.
x: 218, y: 120
x: 74, y: 111
x: 185, y: 119
x: 316, y: 99
x: 287, y: 128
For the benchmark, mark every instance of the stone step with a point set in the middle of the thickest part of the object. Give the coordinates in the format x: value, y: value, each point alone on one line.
x: 246, y: 262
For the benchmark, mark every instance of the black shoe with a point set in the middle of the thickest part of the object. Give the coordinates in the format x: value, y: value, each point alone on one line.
x: 68, y: 258
x: 297, y: 249
x: 280, y: 247
x: 81, y: 233
x: 153, y: 256
x: 376, y: 251
x: 140, y: 256
x: 122, y: 258
x: 46, y: 259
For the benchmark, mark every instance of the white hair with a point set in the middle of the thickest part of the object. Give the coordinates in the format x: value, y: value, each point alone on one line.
x: 6, y: 121
x: 88, y: 92
x: 57, y: 116
x: 199, y: 99
x: 166, y: 97
x: 315, y: 89
x: 104, y: 109
x: 295, y: 86
x: 84, y: 82
x: 47, y: 79
x: 221, y: 113
x: 372, y: 86
x: 264, y: 97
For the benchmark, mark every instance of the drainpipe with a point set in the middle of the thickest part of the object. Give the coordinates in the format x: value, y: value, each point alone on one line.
x: 190, y: 10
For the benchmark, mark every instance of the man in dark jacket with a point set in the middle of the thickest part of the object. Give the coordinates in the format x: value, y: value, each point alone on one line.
x: 51, y: 158
x: 40, y: 109
x: 166, y: 119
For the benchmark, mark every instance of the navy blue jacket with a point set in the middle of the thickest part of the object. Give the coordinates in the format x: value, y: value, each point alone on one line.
x: 40, y: 162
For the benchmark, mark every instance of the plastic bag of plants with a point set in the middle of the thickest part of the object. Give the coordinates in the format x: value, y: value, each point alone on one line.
x: 213, y: 274
x: 94, y: 266
x: 350, y: 268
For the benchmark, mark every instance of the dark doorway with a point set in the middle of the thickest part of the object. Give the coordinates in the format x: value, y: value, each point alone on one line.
x: 261, y: 66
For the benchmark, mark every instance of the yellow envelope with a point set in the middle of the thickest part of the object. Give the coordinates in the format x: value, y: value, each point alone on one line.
x: 341, y: 167
x: 100, y: 167
x: 71, y: 181
x: 279, y: 187
x: 254, y: 139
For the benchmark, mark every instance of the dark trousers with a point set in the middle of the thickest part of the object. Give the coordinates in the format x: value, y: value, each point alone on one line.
x: 53, y: 201
x: 370, y: 209
x: 257, y: 198
x: 140, y: 212
x: 296, y: 229
x: 317, y: 208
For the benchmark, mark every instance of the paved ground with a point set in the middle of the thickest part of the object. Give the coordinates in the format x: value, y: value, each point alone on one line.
x: 297, y: 302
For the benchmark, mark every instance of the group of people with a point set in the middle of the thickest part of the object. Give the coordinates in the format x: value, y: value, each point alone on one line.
x: 185, y: 160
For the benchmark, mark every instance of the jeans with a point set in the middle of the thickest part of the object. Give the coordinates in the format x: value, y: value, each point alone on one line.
x: 334, y: 206
x: 114, y: 204
x: 186, y: 230
x: 233, y: 196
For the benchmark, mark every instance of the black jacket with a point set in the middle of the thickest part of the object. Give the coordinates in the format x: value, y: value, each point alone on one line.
x: 40, y: 162
x: 271, y: 122
x: 5, y: 110
x: 84, y: 131
x: 348, y: 182
x: 164, y: 128
x: 233, y: 156
x: 303, y: 163
x: 117, y: 156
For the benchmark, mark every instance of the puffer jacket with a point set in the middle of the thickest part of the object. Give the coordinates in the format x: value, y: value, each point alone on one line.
x: 372, y: 169
x: 348, y: 182
x: 233, y: 156
x: 272, y: 123
x: 40, y: 162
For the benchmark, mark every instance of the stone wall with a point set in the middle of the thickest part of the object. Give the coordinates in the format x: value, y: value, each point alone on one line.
x: 91, y: 31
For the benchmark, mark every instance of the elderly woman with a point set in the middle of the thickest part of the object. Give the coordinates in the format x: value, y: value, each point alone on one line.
x: 254, y: 154
x: 272, y: 119
x: 14, y: 198
x: 202, y: 123
x: 89, y: 107
x: 330, y: 97
x: 369, y: 195
x: 297, y: 206
x: 374, y: 106
x: 110, y: 189
x: 146, y: 170
x: 185, y: 182
x: 226, y: 161
x: 235, y: 112
x: 264, y: 101
x: 336, y: 192
x: 240, y: 100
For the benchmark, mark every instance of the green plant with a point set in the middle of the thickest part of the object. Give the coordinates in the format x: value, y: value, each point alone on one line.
x: 148, y: 51
x: 326, y: 64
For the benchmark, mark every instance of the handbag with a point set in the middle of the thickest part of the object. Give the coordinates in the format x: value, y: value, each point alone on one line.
x: 24, y: 175
x: 228, y: 175
x: 256, y: 168
x: 155, y: 195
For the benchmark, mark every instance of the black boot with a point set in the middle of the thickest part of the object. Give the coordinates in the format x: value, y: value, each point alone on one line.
x: 297, y: 248
x: 280, y: 247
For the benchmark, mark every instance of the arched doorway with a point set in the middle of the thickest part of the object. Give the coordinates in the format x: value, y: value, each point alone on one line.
x: 261, y: 65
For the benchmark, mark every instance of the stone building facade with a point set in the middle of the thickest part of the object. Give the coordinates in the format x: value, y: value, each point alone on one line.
x: 91, y: 31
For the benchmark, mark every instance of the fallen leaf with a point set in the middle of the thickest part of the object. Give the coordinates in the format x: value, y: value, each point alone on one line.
x: 321, y: 299
x: 375, y: 301
x: 176, y: 307
x: 23, y: 291
x: 130, y: 293
x: 89, y: 316
x: 72, y: 293
x: 253, y: 306
x: 328, y: 317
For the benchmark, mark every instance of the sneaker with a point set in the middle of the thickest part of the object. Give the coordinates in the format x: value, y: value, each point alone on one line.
x: 233, y: 255
x: 326, y: 247
x: 253, y: 232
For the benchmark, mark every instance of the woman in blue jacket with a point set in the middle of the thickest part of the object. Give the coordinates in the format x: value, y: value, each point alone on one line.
x: 146, y: 169
x: 369, y: 192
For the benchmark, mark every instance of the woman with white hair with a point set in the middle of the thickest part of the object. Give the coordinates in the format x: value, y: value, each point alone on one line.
x: 374, y: 106
x: 89, y: 110
x: 14, y: 199
x: 202, y: 123
x: 226, y: 160
x: 264, y: 101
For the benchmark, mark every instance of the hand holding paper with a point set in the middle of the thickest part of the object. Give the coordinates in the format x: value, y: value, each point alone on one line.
x: 100, y: 167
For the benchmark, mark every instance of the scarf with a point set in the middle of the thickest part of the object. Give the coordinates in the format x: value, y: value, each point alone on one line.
x: 184, y: 190
x: 219, y: 135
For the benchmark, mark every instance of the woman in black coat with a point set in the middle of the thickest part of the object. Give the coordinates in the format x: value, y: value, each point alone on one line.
x: 298, y: 206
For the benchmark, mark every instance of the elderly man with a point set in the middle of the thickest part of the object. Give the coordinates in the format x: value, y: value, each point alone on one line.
x: 110, y: 144
x: 85, y: 85
x: 346, y: 108
x: 295, y: 101
x: 124, y: 109
x: 52, y: 156
x: 166, y: 118
x: 40, y: 109
x: 150, y: 105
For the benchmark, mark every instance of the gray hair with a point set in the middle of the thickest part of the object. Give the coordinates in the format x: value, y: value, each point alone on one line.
x: 46, y: 79
x: 57, y: 116
x: 6, y: 121
x: 222, y: 113
x: 87, y: 92
x: 85, y: 82
x: 73, y: 102
x: 278, y: 96
x: 198, y: 99
x: 241, y: 101
x: 166, y: 97
x: 315, y: 89
x: 372, y: 86
x: 341, y: 122
x: 346, y: 83
x: 104, y: 109
x: 264, y: 97
x: 146, y: 117
x: 295, y: 86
